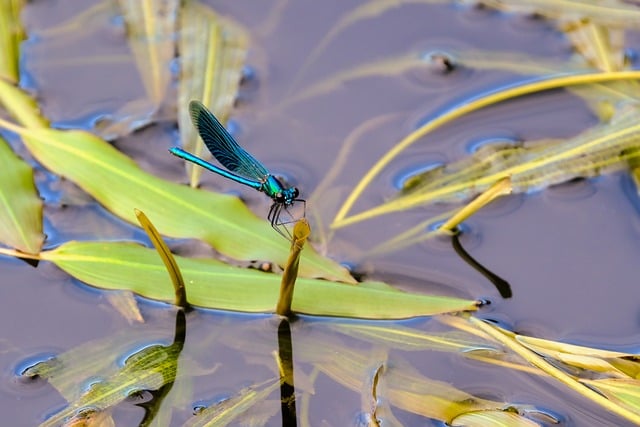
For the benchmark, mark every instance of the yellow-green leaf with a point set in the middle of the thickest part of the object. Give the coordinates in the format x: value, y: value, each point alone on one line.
x: 213, y: 284
x: 11, y: 34
x: 120, y: 185
x: 20, y: 205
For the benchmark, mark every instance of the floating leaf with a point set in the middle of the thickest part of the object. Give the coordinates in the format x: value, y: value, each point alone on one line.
x: 20, y: 205
x: 212, y: 284
x: 11, y: 35
x: 212, y: 53
x: 119, y: 184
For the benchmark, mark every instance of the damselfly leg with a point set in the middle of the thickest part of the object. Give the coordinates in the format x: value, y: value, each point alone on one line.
x: 275, y: 217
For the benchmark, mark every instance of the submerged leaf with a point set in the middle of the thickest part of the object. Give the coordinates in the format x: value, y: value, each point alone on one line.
x: 212, y: 284
x: 120, y: 185
x: 152, y: 368
x: 212, y: 53
x: 125, y: 303
x: 151, y: 28
x: 235, y: 407
x: 20, y: 205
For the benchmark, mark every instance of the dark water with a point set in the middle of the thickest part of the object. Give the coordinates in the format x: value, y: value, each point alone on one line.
x: 569, y: 252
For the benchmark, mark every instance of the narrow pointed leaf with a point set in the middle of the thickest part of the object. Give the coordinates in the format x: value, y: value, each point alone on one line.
x: 212, y: 284
x: 120, y: 185
x: 212, y: 53
x: 20, y: 205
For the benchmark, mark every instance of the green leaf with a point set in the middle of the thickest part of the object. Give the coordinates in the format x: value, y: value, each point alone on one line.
x: 11, y: 35
x: 213, y: 284
x: 212, y: 52
x: 120, y: 185
x: 20, y: 205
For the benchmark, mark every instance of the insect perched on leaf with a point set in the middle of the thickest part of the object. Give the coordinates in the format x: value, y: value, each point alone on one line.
x: 242, y: 166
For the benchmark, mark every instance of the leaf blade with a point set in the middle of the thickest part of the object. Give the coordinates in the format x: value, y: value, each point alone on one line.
x: 20, y: 205
x: 213, y: 284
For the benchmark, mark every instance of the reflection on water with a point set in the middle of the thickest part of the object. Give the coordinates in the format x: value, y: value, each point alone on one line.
x: 570, y: 261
